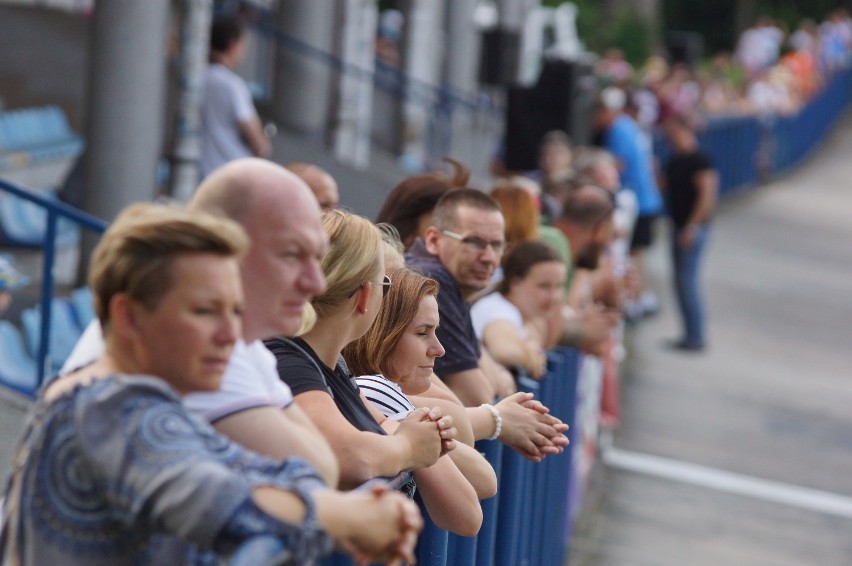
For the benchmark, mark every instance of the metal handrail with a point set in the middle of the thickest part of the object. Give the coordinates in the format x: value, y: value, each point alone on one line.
x: 422, y: 90
x: 55, y: 209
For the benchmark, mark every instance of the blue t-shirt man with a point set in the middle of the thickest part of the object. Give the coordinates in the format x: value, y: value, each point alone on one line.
x: 626, y: 140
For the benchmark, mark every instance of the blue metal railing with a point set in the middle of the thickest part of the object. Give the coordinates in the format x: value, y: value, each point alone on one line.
x: 749, y: 149
x: 529, y: 519
x: 440, y: 104
x: 55, y: 210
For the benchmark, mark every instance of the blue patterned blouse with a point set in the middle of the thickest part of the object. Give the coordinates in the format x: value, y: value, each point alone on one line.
x: 118, y: 472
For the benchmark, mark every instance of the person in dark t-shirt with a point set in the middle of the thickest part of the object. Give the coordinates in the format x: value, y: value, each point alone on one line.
x: 691, y: 185
x: 310, y: 365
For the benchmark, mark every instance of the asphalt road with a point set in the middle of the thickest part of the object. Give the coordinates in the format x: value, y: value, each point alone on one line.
x: 742, y: 455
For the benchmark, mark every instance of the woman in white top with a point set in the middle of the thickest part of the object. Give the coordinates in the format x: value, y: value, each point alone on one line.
x: 511, y: 322
x: 396, y: 358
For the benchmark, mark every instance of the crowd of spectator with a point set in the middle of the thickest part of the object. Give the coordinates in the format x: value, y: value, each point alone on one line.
x: 264, y: 363
x: 770, y: 70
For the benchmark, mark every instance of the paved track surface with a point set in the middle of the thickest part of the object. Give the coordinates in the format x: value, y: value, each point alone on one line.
x: 770, y: 400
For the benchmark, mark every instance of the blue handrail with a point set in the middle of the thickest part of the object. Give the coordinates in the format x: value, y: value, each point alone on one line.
x: 55, y: 210
x: 749, y: 149
x: 527, y: 522
x: 402, y: 83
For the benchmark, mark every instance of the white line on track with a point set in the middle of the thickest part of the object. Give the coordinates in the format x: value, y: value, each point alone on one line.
x: 729, y: 482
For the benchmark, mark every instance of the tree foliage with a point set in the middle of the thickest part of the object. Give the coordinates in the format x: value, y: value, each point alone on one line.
x: 719, y: 22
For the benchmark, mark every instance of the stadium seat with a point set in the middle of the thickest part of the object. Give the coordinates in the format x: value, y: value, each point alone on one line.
x: 18, y: 368
x: 84, y: 310
x: 24, y: 223
x: 64, y: 331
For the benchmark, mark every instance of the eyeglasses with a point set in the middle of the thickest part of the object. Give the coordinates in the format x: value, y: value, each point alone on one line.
x: 386, y: 284
x: 499, y: 246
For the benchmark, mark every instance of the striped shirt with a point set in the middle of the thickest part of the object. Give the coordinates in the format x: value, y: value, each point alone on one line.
x: 386, y: 396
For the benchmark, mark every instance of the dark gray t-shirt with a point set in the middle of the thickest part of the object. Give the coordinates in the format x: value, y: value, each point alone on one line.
x: 456, y: 329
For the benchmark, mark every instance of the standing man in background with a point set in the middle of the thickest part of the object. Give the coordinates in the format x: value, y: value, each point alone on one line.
x: 230, y: 125
x: 692, y: 187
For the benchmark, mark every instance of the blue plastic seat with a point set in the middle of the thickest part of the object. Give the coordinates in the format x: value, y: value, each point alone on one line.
x: 24, y: 223
x: 18, y: 368
x: 84, y: 309
x: 63, y: 335
x: 32, y: 135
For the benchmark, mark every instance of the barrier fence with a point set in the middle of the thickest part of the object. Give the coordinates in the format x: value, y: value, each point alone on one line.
x: 529, y: 521
x: 749, y: 149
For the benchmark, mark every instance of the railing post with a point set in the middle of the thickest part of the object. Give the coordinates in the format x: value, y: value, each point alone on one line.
x: 485, y: 540
x: 42, y: 368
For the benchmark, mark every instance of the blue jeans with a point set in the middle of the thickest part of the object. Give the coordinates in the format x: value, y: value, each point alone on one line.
x: 686, y: 263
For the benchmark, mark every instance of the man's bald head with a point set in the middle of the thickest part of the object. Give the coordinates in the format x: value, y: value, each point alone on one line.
x: 320, y: 182
x: 586, y: 221
x: 235, y: 188
x: 588, y: 205
x: 281, y: 270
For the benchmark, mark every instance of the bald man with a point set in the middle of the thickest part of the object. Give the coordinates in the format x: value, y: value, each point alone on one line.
x: 280, y: 274
x: 320, y: 182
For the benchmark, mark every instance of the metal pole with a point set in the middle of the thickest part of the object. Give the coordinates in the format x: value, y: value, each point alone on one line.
x: 194, y: 46
x: 462, y: 35
x: 422, y: 56
x: 125, y: 106
x: 352, y: 134
x: 302, y: 84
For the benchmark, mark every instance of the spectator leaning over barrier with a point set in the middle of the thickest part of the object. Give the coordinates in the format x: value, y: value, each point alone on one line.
x: 461, y: 250
x: 113, y: 470
x: 230, y: 126
x: 280, y: 273
x: 367, y: 444
x: 512, y: 321
x: 520, y: 207
x: 320, y: 182
x: 395, y: 360
x: 586, y: 222
x: 599, y: 167
x: 622, y: 137
x: 691, y: 186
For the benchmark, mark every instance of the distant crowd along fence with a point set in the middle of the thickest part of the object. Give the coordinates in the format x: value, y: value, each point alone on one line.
x: 531, y: 518
x: 748, y: 150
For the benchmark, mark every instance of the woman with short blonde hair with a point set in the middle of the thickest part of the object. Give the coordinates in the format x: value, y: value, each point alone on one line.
x: 113, y: 470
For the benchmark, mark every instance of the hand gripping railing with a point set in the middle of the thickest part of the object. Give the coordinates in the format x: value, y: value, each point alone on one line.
x: 529, y: 520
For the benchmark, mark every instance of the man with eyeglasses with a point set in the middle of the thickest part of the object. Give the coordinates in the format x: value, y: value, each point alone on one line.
x: 461, y: 250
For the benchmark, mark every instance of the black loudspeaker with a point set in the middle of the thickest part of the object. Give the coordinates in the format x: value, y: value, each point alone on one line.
x: 684, y: 47
x: 498, y: 62
x: 562, y: 99
x: 524, y: 128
